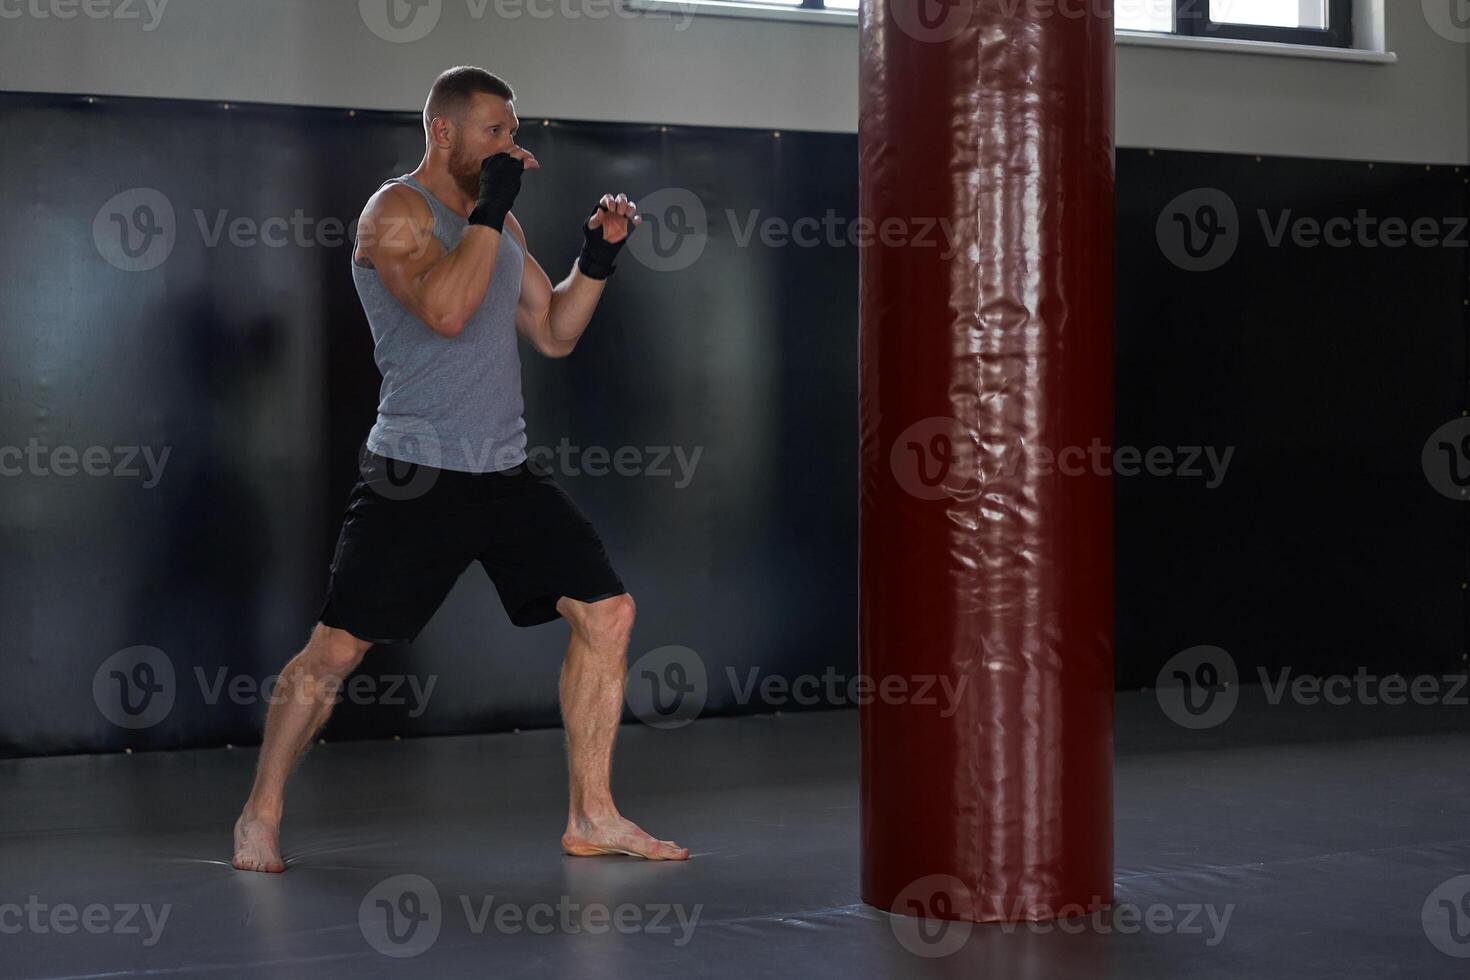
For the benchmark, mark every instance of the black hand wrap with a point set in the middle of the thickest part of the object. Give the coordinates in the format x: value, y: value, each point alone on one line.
x: 596, y: 260
x: 500, y: 181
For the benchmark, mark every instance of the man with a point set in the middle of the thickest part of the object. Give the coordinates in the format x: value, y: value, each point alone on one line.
x: 447, y: 283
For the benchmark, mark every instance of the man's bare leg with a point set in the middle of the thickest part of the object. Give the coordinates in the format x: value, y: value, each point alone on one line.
x: 301, y: 704
x: 592, y: 679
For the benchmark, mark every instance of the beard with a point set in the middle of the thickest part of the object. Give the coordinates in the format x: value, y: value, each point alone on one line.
x: 465, y: 171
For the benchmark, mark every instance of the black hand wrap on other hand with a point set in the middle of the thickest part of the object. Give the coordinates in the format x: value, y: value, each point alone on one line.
x: 596, y: 260
x: 500, y: 182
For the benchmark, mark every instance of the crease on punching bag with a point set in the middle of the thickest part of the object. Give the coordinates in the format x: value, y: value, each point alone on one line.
x: 985, y: 546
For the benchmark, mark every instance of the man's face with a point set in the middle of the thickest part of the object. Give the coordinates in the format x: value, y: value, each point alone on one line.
x: 488, y: 127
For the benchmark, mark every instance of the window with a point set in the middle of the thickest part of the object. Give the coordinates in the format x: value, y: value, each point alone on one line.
x: 1326, y: 23
x: 1315, y: 23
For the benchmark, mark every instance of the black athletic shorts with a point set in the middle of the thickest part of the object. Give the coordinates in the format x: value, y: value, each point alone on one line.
x: 411, y: 530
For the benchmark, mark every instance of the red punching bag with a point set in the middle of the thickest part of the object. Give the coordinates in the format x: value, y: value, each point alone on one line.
x: 985, y: 144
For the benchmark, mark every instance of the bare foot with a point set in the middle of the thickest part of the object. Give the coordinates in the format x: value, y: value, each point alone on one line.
x: 615, y: 835
x: 257, y: 845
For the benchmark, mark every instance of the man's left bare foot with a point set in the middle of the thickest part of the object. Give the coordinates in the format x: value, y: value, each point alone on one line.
x: 616, y: 835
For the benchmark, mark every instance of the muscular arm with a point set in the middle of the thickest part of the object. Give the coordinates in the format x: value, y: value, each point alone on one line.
x: 552, y: 318
x: 442, y: 288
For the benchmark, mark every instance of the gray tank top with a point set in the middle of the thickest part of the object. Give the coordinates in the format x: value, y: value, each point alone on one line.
x: 449, y: 402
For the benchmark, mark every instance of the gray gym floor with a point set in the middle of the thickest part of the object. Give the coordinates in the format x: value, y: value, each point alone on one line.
x: 1324, y: 834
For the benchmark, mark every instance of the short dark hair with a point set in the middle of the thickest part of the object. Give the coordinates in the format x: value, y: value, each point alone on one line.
x: 452, y: 91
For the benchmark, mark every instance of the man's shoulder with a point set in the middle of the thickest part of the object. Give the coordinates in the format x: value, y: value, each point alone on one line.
x: 514, y: 227
x: 396, y: 199
x: 396, y: 219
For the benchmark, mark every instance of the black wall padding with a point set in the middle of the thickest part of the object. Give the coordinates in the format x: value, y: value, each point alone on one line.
x: 1325, y: 547
x: 254, y: 365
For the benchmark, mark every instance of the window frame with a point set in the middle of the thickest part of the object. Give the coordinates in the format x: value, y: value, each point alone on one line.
x: 1192, y: 19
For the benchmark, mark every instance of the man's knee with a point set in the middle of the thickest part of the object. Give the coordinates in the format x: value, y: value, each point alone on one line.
x: 336, y: 651
x: 607, y: 620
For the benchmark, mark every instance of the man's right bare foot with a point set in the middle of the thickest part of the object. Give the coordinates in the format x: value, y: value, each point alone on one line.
x: 257, y: 845
x: 616, y: 835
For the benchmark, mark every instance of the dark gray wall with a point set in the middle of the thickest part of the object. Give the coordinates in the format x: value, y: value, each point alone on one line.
x: 1325, y: 547
x: 253, y: 367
